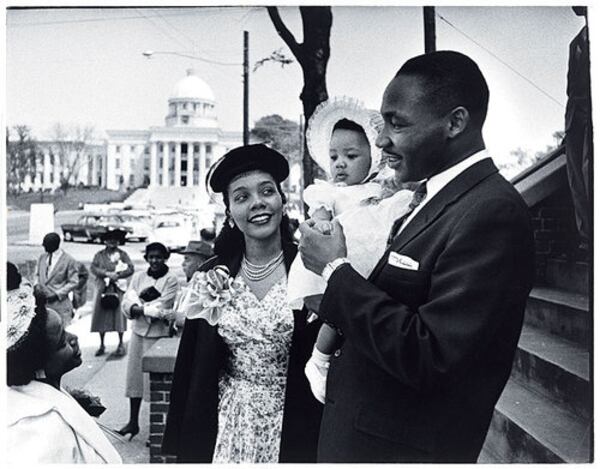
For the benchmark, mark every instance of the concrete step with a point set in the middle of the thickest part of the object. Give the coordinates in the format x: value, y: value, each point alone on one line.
x: 560, y: 312
x: 555, y: 367
x: 568, y: 275
x: 530, y: 428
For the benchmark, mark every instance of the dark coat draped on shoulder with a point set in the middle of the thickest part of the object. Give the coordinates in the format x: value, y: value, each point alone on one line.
x: 191, y: 428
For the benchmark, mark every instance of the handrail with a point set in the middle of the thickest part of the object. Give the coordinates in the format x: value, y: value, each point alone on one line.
x: 539, y: 164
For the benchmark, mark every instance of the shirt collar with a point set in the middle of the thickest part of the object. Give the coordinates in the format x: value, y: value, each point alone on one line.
x: 436, y: 183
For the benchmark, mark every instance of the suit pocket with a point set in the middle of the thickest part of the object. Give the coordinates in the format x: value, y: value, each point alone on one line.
x: 397, y: 427
x: 410, y: 287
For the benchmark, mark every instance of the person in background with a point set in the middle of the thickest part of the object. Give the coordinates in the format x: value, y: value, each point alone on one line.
x: 194, y: 255
x: 80, y: 292
x: 57, y: 277
x: 148, y: 302
x: 208, y: 235
x: 44, y: 423
x: 111, y: 266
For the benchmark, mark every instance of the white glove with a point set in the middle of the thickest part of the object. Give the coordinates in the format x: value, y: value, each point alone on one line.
x: 153, y: 310
x: 316, y: 370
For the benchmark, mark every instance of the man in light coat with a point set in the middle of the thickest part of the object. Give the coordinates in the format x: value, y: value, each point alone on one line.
x: 57, y: 276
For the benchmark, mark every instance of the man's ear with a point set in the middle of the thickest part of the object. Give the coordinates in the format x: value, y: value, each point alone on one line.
x: 458, y: 121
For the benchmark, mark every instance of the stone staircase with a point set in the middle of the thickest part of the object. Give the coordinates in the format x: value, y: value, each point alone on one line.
x: 545, y: 412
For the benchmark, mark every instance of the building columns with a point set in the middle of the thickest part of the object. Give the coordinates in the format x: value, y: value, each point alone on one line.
x: 47, y: 168
x: 177, y: 164
x: 153, y: 164
x: 202, y: 169
x: 190, y: 165
x: 166, y: 160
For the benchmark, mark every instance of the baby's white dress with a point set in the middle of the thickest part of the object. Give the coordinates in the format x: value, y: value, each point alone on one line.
x: 366, y: 228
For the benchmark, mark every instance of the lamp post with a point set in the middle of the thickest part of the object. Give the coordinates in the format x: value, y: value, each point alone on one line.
x: 150, y: 53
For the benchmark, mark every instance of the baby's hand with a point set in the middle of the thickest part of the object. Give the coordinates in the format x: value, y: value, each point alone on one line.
x: 323, y: 226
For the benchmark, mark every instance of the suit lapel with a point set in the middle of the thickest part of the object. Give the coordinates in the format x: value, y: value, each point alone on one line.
x: 436, y: 206
x: 57, y: 265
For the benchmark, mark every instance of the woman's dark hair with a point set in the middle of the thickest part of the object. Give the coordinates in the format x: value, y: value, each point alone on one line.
x: 156, y: 246
x: 13, y: 277
x: 30, y: 354
x: 231, y: 240
x: 347, y: 124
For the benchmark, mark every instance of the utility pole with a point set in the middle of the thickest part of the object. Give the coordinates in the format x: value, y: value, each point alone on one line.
x: 246, y: 85
x: 429, y: 27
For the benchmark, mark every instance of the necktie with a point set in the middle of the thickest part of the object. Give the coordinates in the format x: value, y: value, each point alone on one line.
x: 49, y: 263
x: 418, y: 197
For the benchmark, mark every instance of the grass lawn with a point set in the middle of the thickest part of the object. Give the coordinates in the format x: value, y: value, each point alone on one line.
x: 70, y: 201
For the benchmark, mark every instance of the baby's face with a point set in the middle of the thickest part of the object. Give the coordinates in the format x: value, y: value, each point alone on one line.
x: 350, y: 156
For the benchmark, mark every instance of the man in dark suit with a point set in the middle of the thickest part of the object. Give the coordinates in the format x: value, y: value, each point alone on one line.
x: 430, y: 336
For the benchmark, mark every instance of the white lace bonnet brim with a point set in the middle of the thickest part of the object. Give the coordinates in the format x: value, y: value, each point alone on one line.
x: 20, y: 312
x: 327, y: 114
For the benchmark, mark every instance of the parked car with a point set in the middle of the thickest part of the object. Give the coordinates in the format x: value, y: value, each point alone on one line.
x: 141, y: 225
x: 173, y: 232
x: 91, y: 227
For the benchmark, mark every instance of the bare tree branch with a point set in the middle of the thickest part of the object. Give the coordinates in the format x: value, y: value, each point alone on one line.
x: 285, y: 33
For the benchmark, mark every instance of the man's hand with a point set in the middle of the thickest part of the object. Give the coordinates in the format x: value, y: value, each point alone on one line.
x: 317, y: 250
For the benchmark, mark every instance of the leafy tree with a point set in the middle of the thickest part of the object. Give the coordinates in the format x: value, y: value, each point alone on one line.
x: 71, y: 145
x: 313, y: 56
x: 22, y: 158
x: 281, y: 134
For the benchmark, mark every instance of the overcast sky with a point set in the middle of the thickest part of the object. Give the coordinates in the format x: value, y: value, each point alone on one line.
x: 86, y: 66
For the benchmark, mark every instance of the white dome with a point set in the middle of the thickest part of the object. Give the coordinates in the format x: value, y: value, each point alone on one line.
x: 192, y: 87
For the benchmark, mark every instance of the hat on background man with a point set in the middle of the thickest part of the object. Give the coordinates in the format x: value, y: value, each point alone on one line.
x: 201, y: 248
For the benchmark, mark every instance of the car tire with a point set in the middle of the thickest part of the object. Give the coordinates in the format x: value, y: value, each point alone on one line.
x: 68, y: 236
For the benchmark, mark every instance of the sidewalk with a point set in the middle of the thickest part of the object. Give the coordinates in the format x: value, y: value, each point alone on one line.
x: 105, y: 377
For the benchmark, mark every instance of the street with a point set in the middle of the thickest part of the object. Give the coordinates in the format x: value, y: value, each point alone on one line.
x: 102, y: 376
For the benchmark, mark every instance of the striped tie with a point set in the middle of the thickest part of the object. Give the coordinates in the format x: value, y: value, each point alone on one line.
x: 418, y: 197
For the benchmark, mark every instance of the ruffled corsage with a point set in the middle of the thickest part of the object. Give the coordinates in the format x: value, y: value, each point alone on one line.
x: 207, y: 294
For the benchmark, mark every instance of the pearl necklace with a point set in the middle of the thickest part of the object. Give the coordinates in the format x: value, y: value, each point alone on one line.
x: 256, y: 273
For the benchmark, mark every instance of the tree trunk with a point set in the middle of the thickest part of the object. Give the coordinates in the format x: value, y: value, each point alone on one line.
x: 313, y: 56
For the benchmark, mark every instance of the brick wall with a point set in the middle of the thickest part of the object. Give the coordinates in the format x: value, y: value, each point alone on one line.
x: 159, y: 362
x: 555, y: 231
x: 160, y: 387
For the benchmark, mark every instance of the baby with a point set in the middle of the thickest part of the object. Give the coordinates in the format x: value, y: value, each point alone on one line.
x: 341, y: 138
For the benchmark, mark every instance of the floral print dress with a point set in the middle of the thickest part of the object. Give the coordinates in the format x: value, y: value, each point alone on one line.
x: 258, y: 334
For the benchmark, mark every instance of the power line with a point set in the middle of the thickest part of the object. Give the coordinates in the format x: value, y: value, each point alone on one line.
x: 503, y: 62
x: 195, y: 11
x: 178, y: 31
x: 166, y: 32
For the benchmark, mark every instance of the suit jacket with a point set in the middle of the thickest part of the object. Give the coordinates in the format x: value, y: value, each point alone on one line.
x: 63, y: 279
x: 427, y: 352
x: 191, y: 428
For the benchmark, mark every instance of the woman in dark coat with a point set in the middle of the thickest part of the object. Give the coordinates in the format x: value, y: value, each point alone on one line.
x: 239, y: 393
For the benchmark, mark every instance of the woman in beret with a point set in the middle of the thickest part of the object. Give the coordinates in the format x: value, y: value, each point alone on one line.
x: 238, y: 392
x: 44, y: 423
x: 111, y: 266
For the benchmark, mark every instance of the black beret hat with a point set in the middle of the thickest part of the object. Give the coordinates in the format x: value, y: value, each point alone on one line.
x: 247, y: 158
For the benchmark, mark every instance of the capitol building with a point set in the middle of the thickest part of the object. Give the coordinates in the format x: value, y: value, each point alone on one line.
x: 176, y: 154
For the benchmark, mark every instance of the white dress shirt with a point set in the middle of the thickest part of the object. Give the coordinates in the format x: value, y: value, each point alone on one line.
x: 55, y: 257
x: 436, y: 183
